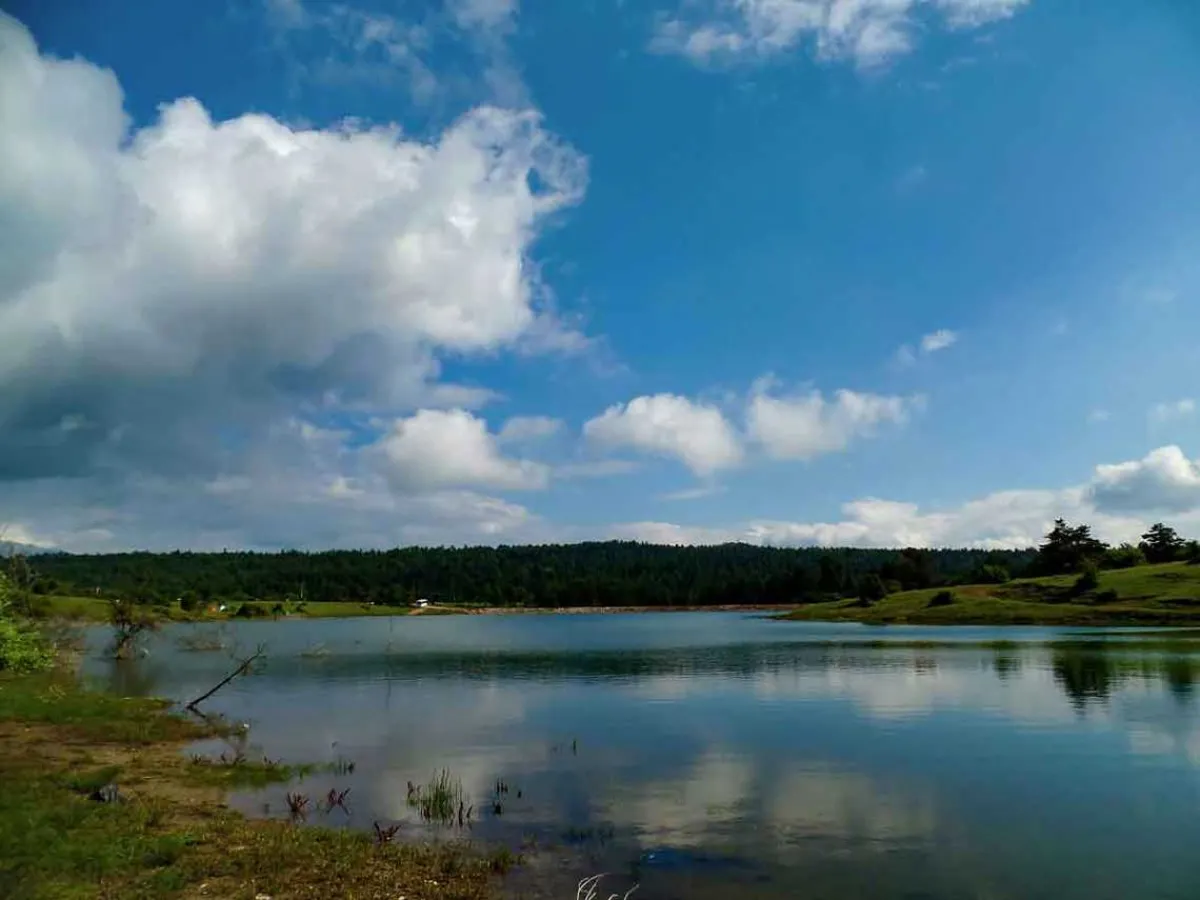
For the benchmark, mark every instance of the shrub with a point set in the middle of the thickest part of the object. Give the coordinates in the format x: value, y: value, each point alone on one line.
x: 1088, y: 580
x: 1191, y: 552
x: 942, y: 598
x: 871, y: 589
x: 1124, y: 557
x: 22, y: 648
x: 991, y: 573
x: 129, y: 622
x: 1107, y: 596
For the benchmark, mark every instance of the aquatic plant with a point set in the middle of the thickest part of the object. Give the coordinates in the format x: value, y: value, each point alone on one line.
x: 385, y: 835
x: 297, y: 804
x: 335, y: 799
x: 441, y: 800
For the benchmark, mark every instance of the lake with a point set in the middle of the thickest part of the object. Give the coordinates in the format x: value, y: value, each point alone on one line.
x: 723, y: 754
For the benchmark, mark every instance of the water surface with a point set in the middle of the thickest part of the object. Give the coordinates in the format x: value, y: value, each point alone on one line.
x: 722, y: 754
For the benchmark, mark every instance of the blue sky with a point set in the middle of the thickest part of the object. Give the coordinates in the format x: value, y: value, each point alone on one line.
x: 292, y: 273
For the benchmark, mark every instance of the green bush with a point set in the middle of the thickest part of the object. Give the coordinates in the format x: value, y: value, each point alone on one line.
x: 1107, y: 596
x: 991, y: 573
x: 871, y: 589
x: 942, y: 598
x: 1191, y: 552
x: 1124, y: 557
x: 22, y: 648
x: 1088, y: 580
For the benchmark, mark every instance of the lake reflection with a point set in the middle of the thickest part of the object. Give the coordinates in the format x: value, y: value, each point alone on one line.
x: 705, y: 754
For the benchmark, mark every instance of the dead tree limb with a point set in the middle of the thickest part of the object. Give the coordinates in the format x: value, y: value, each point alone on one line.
x: 242, y: 669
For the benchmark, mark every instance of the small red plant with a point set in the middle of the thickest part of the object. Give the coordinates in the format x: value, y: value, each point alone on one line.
x: 385, y: 835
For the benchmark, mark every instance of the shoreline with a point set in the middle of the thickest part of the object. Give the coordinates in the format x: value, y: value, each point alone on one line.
x: 100, y: 800
x: 618, y: 610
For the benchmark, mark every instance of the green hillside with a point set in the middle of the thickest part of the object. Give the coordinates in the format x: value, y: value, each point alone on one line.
x: 1165, y: 594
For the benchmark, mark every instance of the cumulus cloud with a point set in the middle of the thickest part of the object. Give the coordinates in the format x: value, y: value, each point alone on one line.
x: 528, y: 428
x: 595, y: 468
x: 198, y: 278
x: 868, y: 32
x: 805, y: 426
x: 695, y: 433
x: 1119, y: 501
x: 1165, y: 480
x: 452, y: 448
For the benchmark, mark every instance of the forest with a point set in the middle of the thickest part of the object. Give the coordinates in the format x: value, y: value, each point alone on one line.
x: 589, y: 574
x: 597, y: 574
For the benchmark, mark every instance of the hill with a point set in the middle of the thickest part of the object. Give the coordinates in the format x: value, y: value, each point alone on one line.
x: 1167, y: 594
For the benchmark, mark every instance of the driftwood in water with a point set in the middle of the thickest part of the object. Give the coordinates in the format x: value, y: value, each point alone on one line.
x: 242, y: 669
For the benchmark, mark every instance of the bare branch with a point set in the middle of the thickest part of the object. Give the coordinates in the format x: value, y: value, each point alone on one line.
x: 242, y: 668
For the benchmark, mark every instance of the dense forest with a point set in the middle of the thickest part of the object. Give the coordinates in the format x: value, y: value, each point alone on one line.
x: 589, y: 574
x: 614, y: 573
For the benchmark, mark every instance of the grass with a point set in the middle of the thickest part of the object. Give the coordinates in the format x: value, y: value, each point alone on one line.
x: 441, y: 800
x: 169, y: 834
x: 96, y: 609
x: 1167, y: 594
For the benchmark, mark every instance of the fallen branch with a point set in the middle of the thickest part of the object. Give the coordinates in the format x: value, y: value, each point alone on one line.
x: 242, y: 669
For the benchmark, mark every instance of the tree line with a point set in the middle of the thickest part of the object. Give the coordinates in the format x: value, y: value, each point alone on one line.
x: 612, y: 573
x: 1072, y: 548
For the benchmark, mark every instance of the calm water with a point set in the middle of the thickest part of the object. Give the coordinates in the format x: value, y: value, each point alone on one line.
x: 716, y: 755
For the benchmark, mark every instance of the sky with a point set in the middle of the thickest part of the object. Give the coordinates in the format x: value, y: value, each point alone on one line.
x: 297, y: 274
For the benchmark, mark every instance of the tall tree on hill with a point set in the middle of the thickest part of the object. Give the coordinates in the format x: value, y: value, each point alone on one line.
x: 1161, y: 544
x: 1067, y: 548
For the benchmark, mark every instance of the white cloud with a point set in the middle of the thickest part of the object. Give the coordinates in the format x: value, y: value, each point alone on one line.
x: 669, y: 425
x: 1099, y: 415
x: 671, y: 534
x: 805, y: 426
x: 869, y: 32
x: 16, y: 533
x: 1165, y: 480
x: 164, y: 285
x: 528, y: 428
x: 1119, y: 502
x: 1168, y: 412
x: 938, y: 340
x: 452, y: 448
x: 484, y: 14
x: 338, y: 43
x: 595, y: 468
x: 930, y: 343
x: 694, y: 493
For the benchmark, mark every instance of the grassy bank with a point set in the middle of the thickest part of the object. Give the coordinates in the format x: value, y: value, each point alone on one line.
x: 1166, y: 594
x: 169, y: 834
x: 96, y: 609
